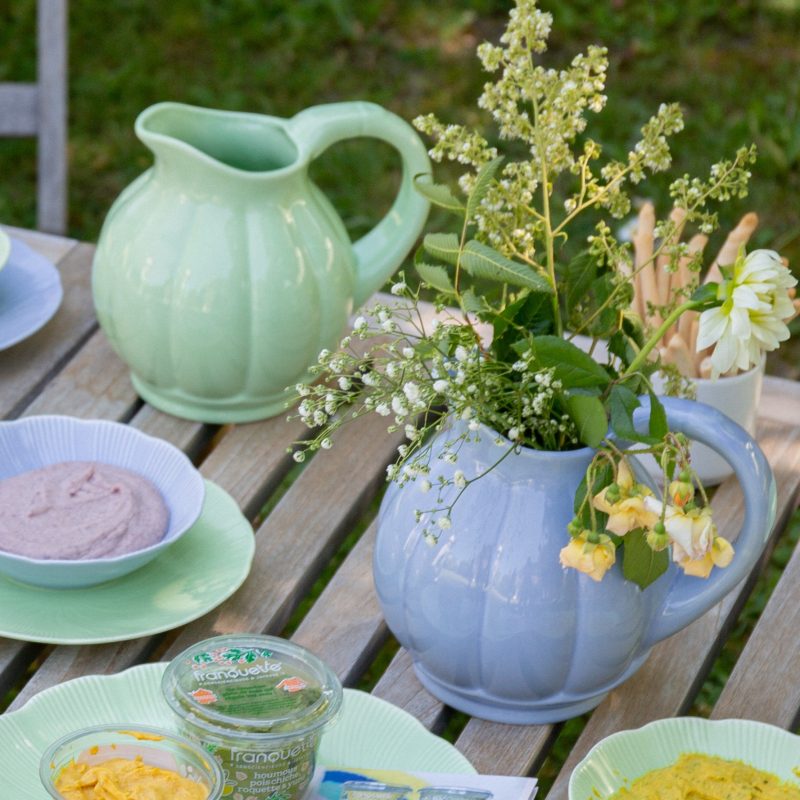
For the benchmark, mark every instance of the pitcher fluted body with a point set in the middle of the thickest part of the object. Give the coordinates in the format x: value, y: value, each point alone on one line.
x: 496, y: 627
x: 223, y: 271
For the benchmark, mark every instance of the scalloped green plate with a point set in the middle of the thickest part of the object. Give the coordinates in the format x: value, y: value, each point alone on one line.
x: 622, y: 757
x: 370, y: 733
x: 206, y: 566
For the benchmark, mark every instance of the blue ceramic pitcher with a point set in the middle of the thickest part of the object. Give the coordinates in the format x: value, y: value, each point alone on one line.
x: 222, y: 271
x: 495, y: 626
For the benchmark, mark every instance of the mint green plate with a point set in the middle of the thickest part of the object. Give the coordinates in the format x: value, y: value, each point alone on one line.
x: 621, y: 758
x: 5, y: 248
x: 369, y: 733
x: 206, y: 566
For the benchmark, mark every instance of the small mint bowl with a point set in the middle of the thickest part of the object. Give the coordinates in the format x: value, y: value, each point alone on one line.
x: 619, y: 759
x: 156, y: 748
x: 33, y: 442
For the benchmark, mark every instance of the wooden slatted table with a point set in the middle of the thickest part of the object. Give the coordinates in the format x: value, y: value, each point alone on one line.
x: 69, y: 368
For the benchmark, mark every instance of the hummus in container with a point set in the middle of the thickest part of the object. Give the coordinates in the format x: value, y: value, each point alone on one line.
x: 80, y: 510
x: 125, y: 778
x: 259, y: 705
x: 107, y: 763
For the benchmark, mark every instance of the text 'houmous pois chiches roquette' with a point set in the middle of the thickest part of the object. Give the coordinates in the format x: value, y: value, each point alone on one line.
x: 259, y: 705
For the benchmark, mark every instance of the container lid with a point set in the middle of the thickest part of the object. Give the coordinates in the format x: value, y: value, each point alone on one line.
x: 252, y: 686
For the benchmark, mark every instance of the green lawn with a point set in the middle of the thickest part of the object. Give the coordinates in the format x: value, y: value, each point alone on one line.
x: 733, y: 64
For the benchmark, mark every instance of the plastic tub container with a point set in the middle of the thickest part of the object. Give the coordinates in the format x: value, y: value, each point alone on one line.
x: 156, y: 748
x: 259, y: 705
x: 453, y: 793
x: 374, y: 790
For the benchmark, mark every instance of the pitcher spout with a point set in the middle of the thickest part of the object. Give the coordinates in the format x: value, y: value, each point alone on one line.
x: 239, y: 145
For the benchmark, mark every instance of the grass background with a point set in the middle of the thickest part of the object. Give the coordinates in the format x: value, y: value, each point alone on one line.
x: 734, y: 65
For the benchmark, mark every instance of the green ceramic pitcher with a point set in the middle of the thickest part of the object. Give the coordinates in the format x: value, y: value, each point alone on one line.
x: 222, y: 271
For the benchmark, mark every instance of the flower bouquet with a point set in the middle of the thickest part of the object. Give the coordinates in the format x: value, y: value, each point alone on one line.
x: 512, y: 287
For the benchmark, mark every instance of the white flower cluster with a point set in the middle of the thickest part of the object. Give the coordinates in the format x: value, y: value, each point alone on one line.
x: 751, y: 319
x: 421, y: 375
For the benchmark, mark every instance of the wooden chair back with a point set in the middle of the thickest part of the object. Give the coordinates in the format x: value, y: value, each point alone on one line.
x: 40, y: 109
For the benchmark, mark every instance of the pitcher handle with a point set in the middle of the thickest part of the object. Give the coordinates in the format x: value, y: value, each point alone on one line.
x: 690, y: 597
x: 380, y: 252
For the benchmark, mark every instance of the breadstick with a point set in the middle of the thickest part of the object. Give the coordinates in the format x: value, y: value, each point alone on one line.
x: 739, y: 236
x: 677, y: 352
x: 643, y: 249
x: 685, y: 278
x: 695, y: 329
x: 665, y: 279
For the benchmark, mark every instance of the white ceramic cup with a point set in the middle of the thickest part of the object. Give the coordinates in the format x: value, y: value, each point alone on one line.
x: 736, y: 397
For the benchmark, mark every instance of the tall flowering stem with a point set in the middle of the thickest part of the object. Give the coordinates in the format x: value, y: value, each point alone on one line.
x: 513, y: 287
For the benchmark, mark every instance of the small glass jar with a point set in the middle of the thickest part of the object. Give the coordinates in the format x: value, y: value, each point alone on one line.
x: 374, y: 790
x: 259, y: 705
x: 163, y: 750
x: 453, y: 793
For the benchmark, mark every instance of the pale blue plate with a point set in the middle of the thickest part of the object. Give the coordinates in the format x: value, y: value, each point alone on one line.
x: 30, y: 293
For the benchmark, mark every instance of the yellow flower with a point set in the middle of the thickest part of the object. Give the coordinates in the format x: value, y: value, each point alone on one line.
x: 722, y: 552
x: 696, y: 548
x: 624, y: 502
x: 593, y: 559
x: 691, y: 532
x: 697, y: 567
x: 719, y: 555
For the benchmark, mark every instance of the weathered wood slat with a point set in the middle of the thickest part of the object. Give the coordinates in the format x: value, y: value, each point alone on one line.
x: 51, y: 247
x: 67, y: 662
x: 302, y: 532
x: 250, y: 460
x: 399, y: 685
x: 505, y: 749
x: 780, y: 400
x: 19, y: 109
x: 670, y: 678
x: 345, y: 626
x: 93, y: 385
x: 764, y: 683
x: 14, y: 660
x: 28, y: 366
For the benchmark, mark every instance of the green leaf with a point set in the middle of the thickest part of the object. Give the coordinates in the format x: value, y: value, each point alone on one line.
x: 658, y: 418
x: 482, y: 261
x: 439, y: 195
x: 443, y: 246
x: 574, y: 368
x: 473, y: 303
x: 578, y: 277
x: 589, y: 415
x: 435, y: 276
x: 482, y: 183
x: 640, y: 563
x: 706, y: 294
x: 622, y: 403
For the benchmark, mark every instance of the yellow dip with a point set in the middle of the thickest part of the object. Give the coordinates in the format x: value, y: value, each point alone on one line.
x: 125, y: 779
x: 699, y: 777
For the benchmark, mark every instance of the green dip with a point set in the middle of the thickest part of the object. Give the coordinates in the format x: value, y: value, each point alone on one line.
x: 259, y: 705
